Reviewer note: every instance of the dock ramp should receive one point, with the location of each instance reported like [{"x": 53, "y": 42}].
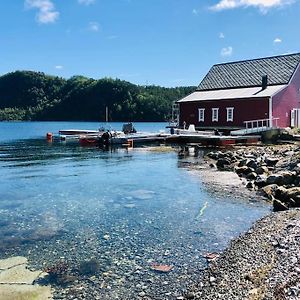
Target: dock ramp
[{"x": 256, "y": 127}]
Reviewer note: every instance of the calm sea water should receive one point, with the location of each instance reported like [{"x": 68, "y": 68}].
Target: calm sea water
[{"x": 127, "y": 209}]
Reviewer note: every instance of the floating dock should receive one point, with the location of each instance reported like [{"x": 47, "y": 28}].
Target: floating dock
[
  {"x": 213, "y": 140},
  {"x": 98, "y": 138}
]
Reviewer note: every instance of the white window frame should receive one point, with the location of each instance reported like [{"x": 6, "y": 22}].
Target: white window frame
[
  {"x": 201, "y": 114},
  {"x": 215, "y": 114},
  {"x": 228, "y": 111}
]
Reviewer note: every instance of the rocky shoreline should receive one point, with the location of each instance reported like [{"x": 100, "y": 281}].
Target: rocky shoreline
[
  {"x": 264, "y": 263},
  {"x": 273, "y": 171}
]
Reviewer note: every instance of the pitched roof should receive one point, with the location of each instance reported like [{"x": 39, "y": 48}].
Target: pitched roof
[
  {"x": 227, "y": 94},
  {"x": 248, "y": 73}
]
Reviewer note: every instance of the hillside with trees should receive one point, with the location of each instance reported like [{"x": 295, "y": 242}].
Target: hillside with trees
[{"x": 35, "y": 96}]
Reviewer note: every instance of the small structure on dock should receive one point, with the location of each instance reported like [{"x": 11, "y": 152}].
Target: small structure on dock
[{"x": 243, "y": 94}]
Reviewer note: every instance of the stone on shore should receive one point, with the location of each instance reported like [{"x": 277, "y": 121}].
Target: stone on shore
[{"x": 17, "y": 281}]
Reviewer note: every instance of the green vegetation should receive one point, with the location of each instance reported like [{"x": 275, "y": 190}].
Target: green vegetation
[{"x": 27, "y": 95}]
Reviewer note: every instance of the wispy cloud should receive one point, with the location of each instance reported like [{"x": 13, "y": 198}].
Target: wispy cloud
[
  {"x": 221, "y": 35},
  {"x": 94, "y": 26},
  {"x": 227, "y": 51},
  {"x": 59, "y": 67},
  {"x": 86, "y": 2},
  {"x": 277, "y": 40},
  {"x": 262, "y": 5},
  {"x": 46, "y": 10}
]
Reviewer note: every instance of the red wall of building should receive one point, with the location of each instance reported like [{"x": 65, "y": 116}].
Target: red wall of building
[
  {"x": 286, "y": 100},
  {"x": 244, "y": 110}
]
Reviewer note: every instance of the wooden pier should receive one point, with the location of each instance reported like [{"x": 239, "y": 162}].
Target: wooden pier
[
  {"x": 119, "y": 138},
  {"x": 213, "y": 140}
]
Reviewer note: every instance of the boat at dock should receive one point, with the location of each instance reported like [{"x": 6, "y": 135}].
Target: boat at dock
[
  {"x": 120, "y": 138},
  {"x": 77, "y": 132}
]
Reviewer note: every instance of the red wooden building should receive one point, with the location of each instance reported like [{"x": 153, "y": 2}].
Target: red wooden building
[{"x": 232, "y": 93}]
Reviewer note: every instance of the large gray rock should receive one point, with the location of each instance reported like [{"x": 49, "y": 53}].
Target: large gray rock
[
  {"x": 269, "y": 191},
  {"x": 279, "y": 206},
  {"x": 275, "y": 179},
  {"x": 222, "y": 162}
]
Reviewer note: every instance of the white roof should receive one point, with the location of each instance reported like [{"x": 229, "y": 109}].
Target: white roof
[{"x": 251, "y": 92}]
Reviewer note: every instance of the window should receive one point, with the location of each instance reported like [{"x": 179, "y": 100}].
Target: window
[
  {"x": 215, "y": 114},
  {"x": 201, "y": 114},
  {"x": 229, "y": 114}
]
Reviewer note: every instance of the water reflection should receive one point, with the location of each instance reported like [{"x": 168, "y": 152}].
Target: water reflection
[{"x": 126, "y": 210}]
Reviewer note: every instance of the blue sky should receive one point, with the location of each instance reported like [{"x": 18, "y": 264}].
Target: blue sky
[{"x": 162, "y": 42}]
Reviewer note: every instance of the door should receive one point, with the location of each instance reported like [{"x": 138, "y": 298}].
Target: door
[{"x": 295, "y": 117}]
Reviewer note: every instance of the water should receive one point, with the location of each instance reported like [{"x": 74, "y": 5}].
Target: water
[{"x": 127, "y": 209}]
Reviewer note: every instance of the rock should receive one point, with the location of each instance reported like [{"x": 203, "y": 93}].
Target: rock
[
  {"x": 292, "y": 193},
  {"x": 213, "y": 155},
  {"x": 250, "y": 185},
  {"x": 243, "y": 170},
  {"x": 19, "y": 275},
  {"x": 252, "y": 164},
  {"x": 221, "y": 162},
  {"x": 17, "y": 282},
  {"x": 270, "y": 190},
  {"x": 212, "y": 279},
  {"x": 261, "y": 181},
  {"x": 287, "y": 177},
  {"x": 161, "y": 268},
  {"x": 271, "y": 161},
  {"x": 275, "y": 179},
  {"x": 211, "y": 256},
  {"x": 12, "y": 261},
  {"x": 24, "y": 292},
  {"x": 279, "y": 206},
  {"x": 243, "y": 162},
  {"x": 262, "y": 170},
  {"x": 251, "y": 176}
]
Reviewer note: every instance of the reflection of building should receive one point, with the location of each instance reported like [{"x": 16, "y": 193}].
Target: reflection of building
[{"x": 260, "y": 89}]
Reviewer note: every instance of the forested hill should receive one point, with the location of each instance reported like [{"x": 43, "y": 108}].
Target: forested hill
[{"x": 27, "y": 95}]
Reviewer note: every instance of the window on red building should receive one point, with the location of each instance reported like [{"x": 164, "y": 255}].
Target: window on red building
[
  {"x": 201, "y": 114},
  {"x": 215, "y": 114}
]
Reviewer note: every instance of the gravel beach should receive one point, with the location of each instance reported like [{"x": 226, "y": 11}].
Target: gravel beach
[{"x": 264, "y": 263}]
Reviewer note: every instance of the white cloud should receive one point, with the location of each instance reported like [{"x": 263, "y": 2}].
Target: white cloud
[
  {"x": 227, "y": 51},
  {"x": 195, "y": 11},
  {"x": 46, "y": 10},
  {"x": 263, "y": 5},
  {"x": 86, "y": 2},
  {"x": 277, "y": 41},
  {"x": 59, "y": 67},
  {"x": 221, "y": 35},
  {"x": 94, "y": 26}
]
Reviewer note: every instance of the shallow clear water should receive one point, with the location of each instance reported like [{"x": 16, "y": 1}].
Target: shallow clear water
[{"x": 127, "y": 209}]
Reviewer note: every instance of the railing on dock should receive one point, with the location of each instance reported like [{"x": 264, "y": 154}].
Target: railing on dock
[
  {"x": 261, "y": 123},
  {"x": 256, "y": 126}
]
